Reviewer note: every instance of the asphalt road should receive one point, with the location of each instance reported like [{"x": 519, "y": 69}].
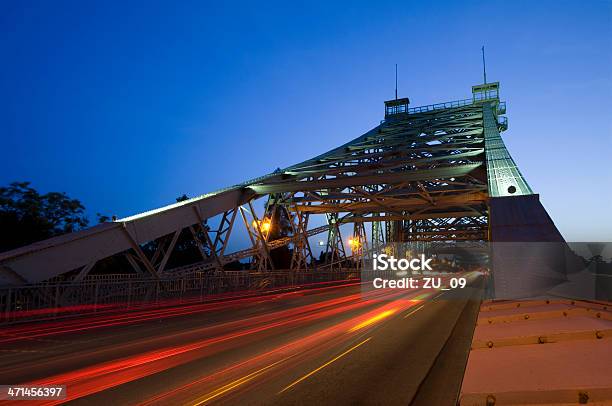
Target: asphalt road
[{"x": 334, "y": 345}]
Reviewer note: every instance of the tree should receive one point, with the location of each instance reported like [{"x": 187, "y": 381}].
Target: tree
[
  {"x": 102, "y": 218},
  {"x": 27, "y": 216}
]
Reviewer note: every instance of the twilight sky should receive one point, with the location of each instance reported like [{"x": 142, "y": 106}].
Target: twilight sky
[{"x": 126, "y": 107}]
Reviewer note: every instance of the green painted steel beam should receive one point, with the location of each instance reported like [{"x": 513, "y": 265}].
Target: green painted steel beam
[{"x": 504, "y": 177}]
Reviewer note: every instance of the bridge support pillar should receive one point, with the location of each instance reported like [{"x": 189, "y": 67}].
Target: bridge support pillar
[{"x": 528, "y": 251}]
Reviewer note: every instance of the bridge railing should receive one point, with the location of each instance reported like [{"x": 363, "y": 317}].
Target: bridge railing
[
  {"x": 441, "y": 106},
  {"x": 60, "y": 299},
  {"x": 454, "y": 104}
]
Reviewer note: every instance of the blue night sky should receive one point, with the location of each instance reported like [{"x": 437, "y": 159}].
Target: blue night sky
[{"x": 127, "y": 106}]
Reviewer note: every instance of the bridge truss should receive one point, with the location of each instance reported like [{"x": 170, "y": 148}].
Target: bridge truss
[{"x": 423, "y": 174}]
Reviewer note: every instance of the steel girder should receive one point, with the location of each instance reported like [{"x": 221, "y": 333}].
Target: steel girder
[
  {"x": 55, "y": 256},
  {"x": 505, "y": 178}
]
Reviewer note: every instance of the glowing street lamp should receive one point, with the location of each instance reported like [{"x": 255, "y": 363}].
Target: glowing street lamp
[{"x": 264, "y": 225}]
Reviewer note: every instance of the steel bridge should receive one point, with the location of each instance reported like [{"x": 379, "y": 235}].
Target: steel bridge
[
  {"x": 427, "y": 174},
  {"x": 433, "y": 177}
]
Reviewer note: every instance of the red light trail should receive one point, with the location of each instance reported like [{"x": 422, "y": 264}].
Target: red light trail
[{"x": 251, "y": 340}]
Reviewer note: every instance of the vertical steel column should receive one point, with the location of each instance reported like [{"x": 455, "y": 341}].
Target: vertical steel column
[
  {"x": 359, "y": 244},
  {"x": 335, "y": 253},
  {"x": 301, "y": 247},
  {"x": 378, "y": 234}
]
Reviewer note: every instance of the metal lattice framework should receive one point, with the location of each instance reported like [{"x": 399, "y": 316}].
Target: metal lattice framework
[{"x": 424, "y": 174}]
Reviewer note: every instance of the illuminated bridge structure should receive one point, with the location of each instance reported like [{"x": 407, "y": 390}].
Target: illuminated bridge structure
[{"x": 433, "y": 173}]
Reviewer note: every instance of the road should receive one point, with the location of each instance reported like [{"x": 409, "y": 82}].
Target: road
[{"x": 331, "y": 345}]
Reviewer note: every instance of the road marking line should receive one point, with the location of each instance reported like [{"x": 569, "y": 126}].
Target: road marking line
[
  {"x": 234, "y": 384},
  {"x": 414, "y": 311},
  {"x": 324, "y": 365},
  {"x": 421, "y": 306},
  {"x": 422, "y": 296},
  {"x": 438, "y": 295},
  {"x": 372, "y": 320}
]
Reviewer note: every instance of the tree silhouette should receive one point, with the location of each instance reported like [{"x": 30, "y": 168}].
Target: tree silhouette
[{"x": 27, "y": 216}]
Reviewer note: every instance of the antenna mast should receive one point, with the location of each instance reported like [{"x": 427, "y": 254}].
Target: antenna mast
[
  {"x": 484, "y": 67},
  {"x": 395, "y": 81}
]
